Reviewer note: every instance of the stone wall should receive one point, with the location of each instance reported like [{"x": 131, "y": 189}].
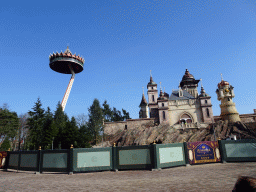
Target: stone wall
[
  {"x": 111, "y": 128},
  {"x": 245, "y": 118}
]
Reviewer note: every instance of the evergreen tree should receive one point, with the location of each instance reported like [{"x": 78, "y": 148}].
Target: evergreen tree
[
  {"x": 35, "y": 123},
  {"x": 9, "y": 124},
  {"x": 95, "y": 120},
  {"x": 6, "y": 144},
  {"x": 108, "y": 113},
  {"x": 117, "y": 116},
  {"x": 85, "y": 136},
  {"x": 60, "y": 120},
  {"x": 126, "y": 115},
  {"x": 70, "y": 134},
  {"x": 49, "y": 129}
]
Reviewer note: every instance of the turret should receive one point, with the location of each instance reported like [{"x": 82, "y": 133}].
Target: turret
[
  {"x": 225, "y": 93},
  {"x": 189, "y": 84},
  {"x": 206, "y": 105},
  {"x": 143, "y": 107},
  {"x": 152, "y": 97}
]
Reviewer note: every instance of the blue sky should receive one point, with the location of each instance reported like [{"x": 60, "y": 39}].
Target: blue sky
[{"x": 121, "y": 41}]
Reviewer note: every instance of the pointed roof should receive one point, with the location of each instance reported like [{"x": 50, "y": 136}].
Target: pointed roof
[
  {"x": 203, "y": 93},
  {"x": 151, "y": 81},
  {"x": 68, "y": 50},
  {"x": 143, "y": 101}
]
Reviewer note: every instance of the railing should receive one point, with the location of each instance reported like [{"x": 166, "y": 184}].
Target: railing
[{"x": 150, "y": 157}]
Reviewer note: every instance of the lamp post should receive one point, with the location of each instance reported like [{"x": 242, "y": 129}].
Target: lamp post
[{"x": 52, "y": 142}]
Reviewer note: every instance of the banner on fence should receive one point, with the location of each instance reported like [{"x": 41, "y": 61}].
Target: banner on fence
[
  {"x": 2, "y": 158},
  {"x": 203, "y": 152}
]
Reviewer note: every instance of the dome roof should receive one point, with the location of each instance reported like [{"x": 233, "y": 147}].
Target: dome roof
[
  {"x": 222, "y": 83},
  {"x": 187, "y": 76}
]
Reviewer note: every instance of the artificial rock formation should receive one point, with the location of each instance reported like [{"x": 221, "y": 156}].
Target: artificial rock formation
[{"x": 148, "y": 133}]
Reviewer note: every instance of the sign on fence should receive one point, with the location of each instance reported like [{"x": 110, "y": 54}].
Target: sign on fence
[
  {"x": 3, "y": 155},
  {"x": 203, "y": 152}
]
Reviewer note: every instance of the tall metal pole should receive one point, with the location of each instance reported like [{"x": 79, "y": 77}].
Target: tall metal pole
[{"x": 66, "y": 95}]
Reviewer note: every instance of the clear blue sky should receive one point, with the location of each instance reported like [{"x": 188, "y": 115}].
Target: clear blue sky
[{"x": 121, "y": 41}]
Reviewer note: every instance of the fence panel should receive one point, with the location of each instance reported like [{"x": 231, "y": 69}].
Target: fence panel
[
  {"x": 29, "y": 160},
  {"x": 169, "y": 155},
  {"x": 238, "y": 150},
  {"x": 92, "y": 159},
  {"x": 203, "y": 152},
  {"x": 134, "y": 157},
  {"x": 55, "y": 160},
  {"x": 13, "y": 160}
]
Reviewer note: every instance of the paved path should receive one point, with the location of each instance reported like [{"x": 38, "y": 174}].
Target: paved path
[{"x": 208, "y": 177}]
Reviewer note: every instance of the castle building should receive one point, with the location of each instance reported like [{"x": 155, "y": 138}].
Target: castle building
[{"x": 185, "y": 108}]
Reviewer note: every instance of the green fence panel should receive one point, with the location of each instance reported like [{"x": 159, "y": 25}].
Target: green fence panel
[
  {"x": 13, "y": 160},
  {"x": 92, "y": 159},
  {"x": 135, "y": 157},
  {"x": 29, "y": 160},
  {"x": 238, "y": 150},
  {"x": 169, "y": 155},
  {"x": 55, "y": 160}
]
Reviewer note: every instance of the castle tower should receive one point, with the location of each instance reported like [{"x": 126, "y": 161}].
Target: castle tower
[
  {"x": 206, "y": 106},
  {"x": 143, "y": 107},
  {"x": 162, "y": 102},
  {"x": 189, "y": 84},
  {"x": 225, "y": 93},
  {"x": 152, "y": 98}
]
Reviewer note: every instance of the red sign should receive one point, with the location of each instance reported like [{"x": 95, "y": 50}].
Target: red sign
[{"x": 3, "y": 155}]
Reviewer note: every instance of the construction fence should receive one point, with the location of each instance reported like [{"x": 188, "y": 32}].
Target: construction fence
[{"x": 149, "y": 157}]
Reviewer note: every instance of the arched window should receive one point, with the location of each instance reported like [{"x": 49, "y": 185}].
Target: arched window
[
  {"x": 207, "y": 112},
  {"x": 205, "y": 101},
  {"x": 162, "y": 104},
  {"x": 152, "y": 87},
  {"x": 163, "y": 114},
  {"x": 153, "y": 98},
  {"x": 185, "y": 118}
]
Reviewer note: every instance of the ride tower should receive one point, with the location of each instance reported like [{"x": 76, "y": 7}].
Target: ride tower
[{"x": 66, "y": 63}]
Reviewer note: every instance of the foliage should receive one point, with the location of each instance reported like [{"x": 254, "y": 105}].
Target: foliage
[
  {"x": 9, "y": 124},
  {"x": 6, "y": 144},
  {"x": 35, "y": 123},
  {"x": 111, "y": 115},
  {"x": 95, "y": 119}
]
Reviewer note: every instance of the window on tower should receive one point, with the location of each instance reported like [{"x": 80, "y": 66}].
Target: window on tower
[
  {"x": 151, "y": 87},
  {"x": 153, "y": 98},
  {"x": 205, "y": 101},
  {"x": 162, "y": 104},
  {"x": 207, "y": 112},
  {"x": 163, "y": 114}
]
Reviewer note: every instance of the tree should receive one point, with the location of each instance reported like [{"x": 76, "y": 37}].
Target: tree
[
  {"x": 6, "y": 144},
  {"x": 9, "y": 124},
  {"x": 60, "y": 120},
  {"x": 108, "y": 113},
  {"x": 70, "y": 134},
  {"x": 23, "y": 129},
  {"x": 126, "y": 115},
  {"x": 85, "y": 136},
  {"x": 49, "y": 129},
  {"x": 95, "y": 120},
  {"x": 81, "y": 119},
  {"x": 35, "y": 123}
]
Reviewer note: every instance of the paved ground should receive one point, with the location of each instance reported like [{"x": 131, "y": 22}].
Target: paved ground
[{"x": 208, "y": 177}]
